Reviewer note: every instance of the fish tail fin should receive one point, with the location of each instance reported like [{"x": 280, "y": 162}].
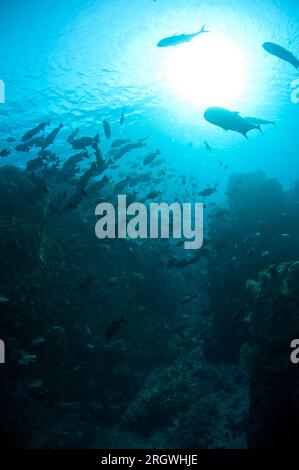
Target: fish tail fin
[{"x": 203, "y": 30}]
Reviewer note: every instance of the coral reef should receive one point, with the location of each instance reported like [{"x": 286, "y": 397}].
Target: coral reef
[{"x": 274, "y": 380}]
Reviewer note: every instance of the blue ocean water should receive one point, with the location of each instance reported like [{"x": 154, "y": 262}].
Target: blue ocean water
[
  {"x": 81, "y": 61},
  {"x": 140, "y": 343}
]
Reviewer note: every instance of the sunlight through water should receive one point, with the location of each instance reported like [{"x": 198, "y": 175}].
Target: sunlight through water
[{"x": 207, "y": 71}]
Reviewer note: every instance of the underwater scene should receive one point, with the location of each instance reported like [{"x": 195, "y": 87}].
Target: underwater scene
[{"x": 149, "y": 224}]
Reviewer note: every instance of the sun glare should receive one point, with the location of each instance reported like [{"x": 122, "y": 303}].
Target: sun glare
[{"x": 209, "y": 71}]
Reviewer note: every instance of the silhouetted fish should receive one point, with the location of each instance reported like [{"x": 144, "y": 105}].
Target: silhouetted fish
[
  {"x": 151, "y": 157},
  {"x": 207, "y": 146},
  {"x": 82, "y": 143},
  {"x": 207, "y": 192},
  {"x": 128, "y": 148},
  {"x": 107, "y": 129},
  {"x": 74, "y": 160},
  {"x": 35, "y": 131},
  {"x": 49, "y": 139},
  {"x": 122, "y": 118},
  {"x": 229, "y": 120},
  {"x": 29, "y": 144},
  {"x": 119, "y": 143},
  {"x": 114, "y": 326},
  {"x": 5, "y": 153},
  {"x": 99, "y": 158},
  {"x": 281, "y": 53},
  {"x": 177, "y": 39},
  {"x": 74, "y": 134}
]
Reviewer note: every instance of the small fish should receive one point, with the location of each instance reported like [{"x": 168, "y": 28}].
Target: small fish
[
  {"x": 121, "y": 185},
  {"x": 153, "y": 195},
  {"x": 82, "y": 143},
  {"x": 140, "y": 178},
  {"x": 265, "y": 254},
  {"x": 5, "y": 153},
  {"x": 281, "y": 53},
  {"x": 157, "y": 163},
  {"x": 207, "y": 192},
  {"x": 29, "y": 144},
  {"x": 73, "y": 135},
  {"x": 120, "y": 143},
  {"x": 99, "y": 158},
  {"x": 98, "y": 185},
  {"x": 90, "y": 173},
  {"x": 183, "y": 263},
  {"x": 74, "y": 201},
  {"x": 207, "y": 146},
  {"x": 11, "y": 139},
  {"x": 284, "y": 235},
  {"x": 114, "y": 326},
  {"x": 107, "y": 129},
  {"x": 74, "y": 160},
  {"x": 49, "y": 139},
  {"x": 122, "y": 117},
  {"x": 30, "y": 134},
  {"x": 56, "y": 205},
  {"x": 97, "y": 141},
  {"x": 151, "y": 157},
  {"x": 128, "y": 148},
  {"x": 177, "y": 39},
  {"x": 142, "y": 139},
  {"x": 36, "y": 163},
  {"x": 65, "y": 175}
]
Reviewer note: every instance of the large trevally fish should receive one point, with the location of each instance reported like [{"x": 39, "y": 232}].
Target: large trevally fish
[
  {"x": 177, "y": 39},
  {"x": 281, "y": 53}
]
